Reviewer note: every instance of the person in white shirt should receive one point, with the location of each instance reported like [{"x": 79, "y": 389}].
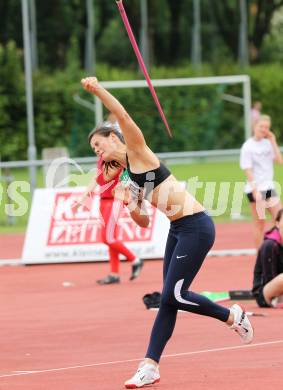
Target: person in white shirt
[{"x": 257, "y": 157}]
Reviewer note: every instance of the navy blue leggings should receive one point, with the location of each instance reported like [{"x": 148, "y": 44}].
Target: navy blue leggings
[{"x": 189, "y": 240}]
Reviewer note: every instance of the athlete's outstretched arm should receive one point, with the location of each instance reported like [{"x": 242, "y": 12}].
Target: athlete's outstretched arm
[{"x": 132, "y": 133}]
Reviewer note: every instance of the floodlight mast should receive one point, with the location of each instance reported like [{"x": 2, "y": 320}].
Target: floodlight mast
[
  {"x": 29, "y": 94},
  {"x": 243, "y": 35},
  {"x": 90, "y": 41},
  {"x": 144, "y": 32},
  {"x": 196, "y": 35}
]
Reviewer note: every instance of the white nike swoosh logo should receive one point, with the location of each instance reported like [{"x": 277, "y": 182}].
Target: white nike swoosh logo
[{"x": 179, "y": 257}]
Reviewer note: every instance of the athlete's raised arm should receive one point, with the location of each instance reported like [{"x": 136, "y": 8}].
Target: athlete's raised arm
[{"x": 132, "y": 134}]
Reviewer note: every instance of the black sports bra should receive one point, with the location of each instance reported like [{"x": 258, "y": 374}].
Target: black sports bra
[{"x": 150, "y": 179}]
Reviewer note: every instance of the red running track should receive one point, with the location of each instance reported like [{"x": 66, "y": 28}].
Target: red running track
[
  {"x": 81, "y": 336},
  {"x": 236, "y": 235}
]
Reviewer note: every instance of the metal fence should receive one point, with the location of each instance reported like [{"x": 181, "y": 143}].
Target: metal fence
[{"x": 168, "y": 158}]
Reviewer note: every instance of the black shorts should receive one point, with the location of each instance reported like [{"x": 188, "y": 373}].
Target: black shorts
[
  {"x": 260, "y": 300},
  {"x": 265, "y": 195}
]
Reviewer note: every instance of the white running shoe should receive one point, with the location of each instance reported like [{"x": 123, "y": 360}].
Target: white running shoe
[
  {"x": 147, "y": 374},
  {"x": 242, "y": 324}
]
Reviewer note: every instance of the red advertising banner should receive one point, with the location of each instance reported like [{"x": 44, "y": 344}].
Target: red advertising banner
[
  {"x": 83, "y": 226},
  {"x": 58, "y": 232}
]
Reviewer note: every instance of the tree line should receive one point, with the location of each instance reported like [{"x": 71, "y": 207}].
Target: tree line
[
  {"x": 169, "y": 30},
  {"x": 199, "y": 117}
]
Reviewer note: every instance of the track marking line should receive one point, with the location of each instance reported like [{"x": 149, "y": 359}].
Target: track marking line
[{"x": 31, "y": 372}]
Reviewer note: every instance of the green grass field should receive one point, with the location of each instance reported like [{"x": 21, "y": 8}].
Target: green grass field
[{"x": 216, "y": 189}]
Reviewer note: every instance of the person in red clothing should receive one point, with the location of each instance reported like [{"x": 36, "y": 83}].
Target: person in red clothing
[{"x": 107, "y": 178}]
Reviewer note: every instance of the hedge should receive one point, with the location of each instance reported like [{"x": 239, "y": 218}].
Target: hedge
[{"x": 198, "y": 116}]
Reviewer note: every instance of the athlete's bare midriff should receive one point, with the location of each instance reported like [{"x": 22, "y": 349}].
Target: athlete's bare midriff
[{"x": 171, "y": 198}]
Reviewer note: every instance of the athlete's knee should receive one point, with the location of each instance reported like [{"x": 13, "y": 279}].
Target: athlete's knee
[
  {"x": 267, "y": 246},
  {"x": 110, "y": 243},
  {"x": 168, "y": 298},
  {"x": 104, "y": 240},
  {"x": 171, "y": 297}
]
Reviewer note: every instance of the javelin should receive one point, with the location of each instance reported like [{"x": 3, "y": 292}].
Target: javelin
[{"x": 141, "y": 62}]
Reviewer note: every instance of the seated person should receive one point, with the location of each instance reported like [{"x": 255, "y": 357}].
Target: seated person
[{"x": 268, "y": 271}]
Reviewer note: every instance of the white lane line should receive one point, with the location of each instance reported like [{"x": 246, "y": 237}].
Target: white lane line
[{"x": 19, "y": 373}]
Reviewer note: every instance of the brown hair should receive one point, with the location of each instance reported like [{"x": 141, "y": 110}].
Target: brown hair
[
  {"x": 105, "y": 130},
  {"x": 279, "y": 215},
  {"x": 277, "y": 219}
]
